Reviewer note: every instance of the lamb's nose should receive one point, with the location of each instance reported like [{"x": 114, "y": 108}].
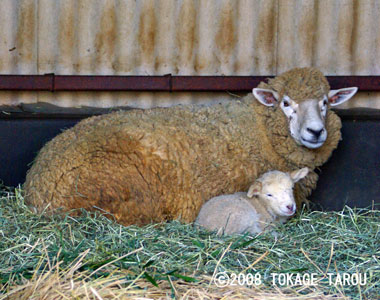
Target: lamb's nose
[
  {"x": 314, "y": 132},
  {"x": 290, "y": 207}
]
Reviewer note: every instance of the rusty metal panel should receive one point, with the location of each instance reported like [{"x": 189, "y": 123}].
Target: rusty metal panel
[
  {"x": 149, "y": 37},
  {"x": 340, "y": 37},
  {"x": 18, "y": 46},
  {"x": 184, "y": 37}
]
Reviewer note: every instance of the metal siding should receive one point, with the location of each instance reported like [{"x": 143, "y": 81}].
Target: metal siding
[{"x": 185, "y": 37}]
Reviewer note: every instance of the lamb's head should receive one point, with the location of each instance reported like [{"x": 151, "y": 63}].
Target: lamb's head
[
  {"x": 276, "y": 189},
  {"x": 304, "y": 96}
]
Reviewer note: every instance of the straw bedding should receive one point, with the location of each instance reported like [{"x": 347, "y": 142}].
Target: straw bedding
[{"x": 92, "y": 257}]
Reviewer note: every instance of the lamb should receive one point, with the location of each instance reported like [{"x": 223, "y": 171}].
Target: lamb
[
  {"x": 164, "y": 163},
  {"x": 269, "y": 200}
]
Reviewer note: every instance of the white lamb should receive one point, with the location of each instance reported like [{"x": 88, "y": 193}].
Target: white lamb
[{"x": 270, "y": 199}]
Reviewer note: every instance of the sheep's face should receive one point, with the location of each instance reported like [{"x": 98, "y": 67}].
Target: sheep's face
[
  {"x": 280, "y": 199},
  {"x": 306, "y": 118},
  {"x": 275, "y": 188}
]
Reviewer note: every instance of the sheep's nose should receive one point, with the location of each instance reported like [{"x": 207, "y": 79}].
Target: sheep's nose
[
  {"x": 290, "y": 207},
  {"x": 314, "y": 132}
]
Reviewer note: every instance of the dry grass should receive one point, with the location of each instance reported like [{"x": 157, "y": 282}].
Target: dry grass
[
  {"x": 91, "y": 257},
  {"x": 73, "y": 284}
]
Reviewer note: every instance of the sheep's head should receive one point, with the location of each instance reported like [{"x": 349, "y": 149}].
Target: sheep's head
[
  {"x": 304, "y": 97},
  {"x": 276, "y": 189}
]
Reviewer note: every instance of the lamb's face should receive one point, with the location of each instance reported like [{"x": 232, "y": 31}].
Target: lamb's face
[
  {"x": 277, "y": 191},
  {"x": 306, "y": 118},
  {"x": 275, "y": 188}
]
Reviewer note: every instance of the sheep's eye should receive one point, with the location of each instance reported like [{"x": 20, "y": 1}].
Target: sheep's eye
[
  {"x": 269, "y": 195},
  {"x": 286, "y": 103},
  {"x": 324, "y": 103}
]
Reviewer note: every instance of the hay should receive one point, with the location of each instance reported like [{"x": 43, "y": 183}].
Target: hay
[
  {"x": 92, "y": 257},
  {"x": 71, "y": 284}
]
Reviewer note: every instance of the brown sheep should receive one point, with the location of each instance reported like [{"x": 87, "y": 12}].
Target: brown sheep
[{"x": 164, "y": 163}]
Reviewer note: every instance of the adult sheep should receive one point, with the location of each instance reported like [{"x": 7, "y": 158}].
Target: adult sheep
[{"x": 163, "y": 163}]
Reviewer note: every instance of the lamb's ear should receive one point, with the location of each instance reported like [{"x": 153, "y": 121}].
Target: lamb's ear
[
  {"x": 299, "y": 174},
  {"x": 265, "y": 96},
  {"x": 340, "y": 96},
  {"x": 254, "y": 189}
]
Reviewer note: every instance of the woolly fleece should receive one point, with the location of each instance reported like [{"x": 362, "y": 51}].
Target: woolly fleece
[{"x": 164, "y": 163}]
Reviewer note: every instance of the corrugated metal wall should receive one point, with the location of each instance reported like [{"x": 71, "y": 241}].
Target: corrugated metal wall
[{"x": 187, "y": 37}]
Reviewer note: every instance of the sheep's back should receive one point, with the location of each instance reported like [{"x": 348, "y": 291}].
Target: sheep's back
[
  {"x": 229, "y": 214},
  {"x": 147, "y": 166}
]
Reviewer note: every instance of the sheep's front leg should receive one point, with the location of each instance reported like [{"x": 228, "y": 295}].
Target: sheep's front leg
[{"x": 304, "y": 188}]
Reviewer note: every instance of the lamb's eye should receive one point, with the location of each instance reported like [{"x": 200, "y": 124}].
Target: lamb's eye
[
  {"x": 324, "y": 102},
  {"x": 269, "y": 195},
  {"x": 286, "y": 103}
]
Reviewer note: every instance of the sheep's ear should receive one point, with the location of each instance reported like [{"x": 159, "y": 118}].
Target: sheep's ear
[
  {"x": 299, "y": 174},
  {"x": 340, "y": 96},
  {"x": 265, "y": 96},
  {"x": 254, "y": 189}
]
